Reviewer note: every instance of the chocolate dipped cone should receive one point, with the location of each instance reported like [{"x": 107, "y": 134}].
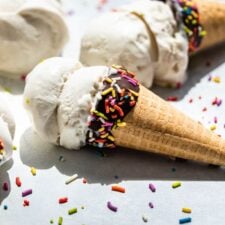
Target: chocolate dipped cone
[
  {"x": 154, "y": 125},
  {"x": 212, "y": 18}
]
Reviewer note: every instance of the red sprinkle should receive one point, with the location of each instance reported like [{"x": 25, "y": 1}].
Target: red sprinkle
[
  {"x": 84, "y": 181},
  {"x": 172, "y": 98},
  {"x": 190, "y": 100},
  {"x": 26, "y": 203},
  {"x": 63, "y": 200},
  {"x": 204, "y": 109},
  {"x": 18, "y": 182},
  {"x": 116, "y": 107},
  {"x": 107, "y": 106},
  {"x": 5, "y": 186}
]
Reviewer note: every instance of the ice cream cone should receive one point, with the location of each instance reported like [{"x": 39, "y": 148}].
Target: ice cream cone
[
  {"x": 212, "y": 18},
  {"x": 156, "y": 126}
]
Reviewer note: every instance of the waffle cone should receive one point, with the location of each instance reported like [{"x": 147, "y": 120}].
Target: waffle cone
[
  {"x": 212, "y": 17},
  {"x": 154, "y": 125}
]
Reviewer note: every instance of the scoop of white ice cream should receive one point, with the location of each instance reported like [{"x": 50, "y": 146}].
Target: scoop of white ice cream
[
  {"x": 125, "y": 37},
  {"x": 30, "y": 31},
  {"x": 7, "y": 130},
  {"x": 59, "y": 95}
]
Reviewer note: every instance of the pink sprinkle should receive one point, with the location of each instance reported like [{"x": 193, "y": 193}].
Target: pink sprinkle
[
  {"x": 152, "y": 187},
  {"x": 215, "y": 119},
  {"x": 5, "y": 186},
  {"x": 204, "y": 109},
  {"x": 190, "y": 100},
  {"x": 151, "y": 205},
  {"x": 214, "y": 102},
  {"x": 200, "y": 97},
  {"x": 210, "y": 78},
  {"x": 131, "y": 80},
  {"x": 27, "y": 192}
]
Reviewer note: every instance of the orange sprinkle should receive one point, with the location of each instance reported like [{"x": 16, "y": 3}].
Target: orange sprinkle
[{"x": 118, "y": 188}]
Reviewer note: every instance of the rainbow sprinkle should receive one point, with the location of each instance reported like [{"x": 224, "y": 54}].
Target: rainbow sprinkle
[
  {"x": 186, "y": 12},
  {"x": 119, "y": 96}
]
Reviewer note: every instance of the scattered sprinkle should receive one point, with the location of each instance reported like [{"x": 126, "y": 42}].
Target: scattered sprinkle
[
  {"x": 145, "y": 219},
  {"x": 60, "y": 220},
  {"x": 190, "y": 100},
  {"x": 71, "y": 179},
  {"x": 5, "y": 186},
  {"x": 5, "y": 207},
  {"x": 172, "y": 98},
  {"x": 216, "y": 79},
  {"x": 14, "y": 148},
  {"x": 176, "y": 184},
  {"x": 185, "y": 220},
  {"x": 152, "y": 187},
  {"x": 27, "y": 101},
  {"x": 111, "y": 207},
  {"x": 26, "y": 203},
  {"x": 151, "y": 205},
  {"x": 72, "y": 211},
  {"x": 51, "y": 221},
  {"x": 18, "y": 182},
  {"x": 63, "y": 200},
  {"x": 204, "y": 109},
  {"x": 27, "y": 192},
  {"x": 213, "y": 127},
  {"x": 215, "y": 119},
  {"x": 84, "y": 180},
  {"x": 186, "y": 210},
  {"x": 61, "y": 159},
  {"x": 118, "y": 188},
  {"x": 33, "y": 171}
]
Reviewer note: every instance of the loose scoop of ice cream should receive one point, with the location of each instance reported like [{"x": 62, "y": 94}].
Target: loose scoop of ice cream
[
  {"x": 72, "y": 106},
  {"x": 143, "y": 37},
  {"x": 7, "y": 130},
  {"x": 30, "y": 31}
]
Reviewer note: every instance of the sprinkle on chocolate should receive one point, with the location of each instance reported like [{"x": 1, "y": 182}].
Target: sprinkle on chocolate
[{"x": 119, "y": 95}]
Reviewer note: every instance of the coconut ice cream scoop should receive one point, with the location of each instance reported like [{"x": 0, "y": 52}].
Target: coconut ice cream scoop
[
  {"x": 107, "y": 107},
  {"x": 7, "y": 130},
  {"x": 154, "y": 39},
  {"x": 30, "y": 31}
]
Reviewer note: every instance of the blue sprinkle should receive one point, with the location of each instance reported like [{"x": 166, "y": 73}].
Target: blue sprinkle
[
  {"x": 185, "y": 220},
  {"x": 5, "y": 207}
]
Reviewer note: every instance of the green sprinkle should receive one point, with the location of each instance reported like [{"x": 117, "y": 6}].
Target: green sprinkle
[
  {"x": 72, "y": 211},
  {"x": 176, "y": 184},
  {"x": 51, "y": 221},
  {"x": 82, "y": 207},
  {"x": 60, "y": 221},
  {"x": 14, "y": 148}
]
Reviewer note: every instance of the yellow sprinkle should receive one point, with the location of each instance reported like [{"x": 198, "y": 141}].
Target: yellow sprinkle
[
  {"x": 113, "y": 93},
  {"x": 27, "y": 101},
  {"x": 186, "y": 210},
  {"x": 7, "y": 89},
  {"x": 123, "y": 124},
  {"x": 107, "y": 91},
  {"x": 33, "y": 171},
  {"x": 104, "y": 135},
  {"x": 111, "y": 138},
  {"x": 112, "y": 109},
  {"x": 101, "y": 129},
  {"x": 99, "y": 114},
  {"x": 203, "y": 33},
  {"x": 176, "y": 184},
  {"x": 194, "y": 14},
  {"x": 14, "y": 147},
  {"x": 194, "y": 21},
  {"x": 108, "y": 80},
  {"x": 216, "y": 79},
  {"x": 213, "y": 127},
  {"x": 190, "y": 17},
  {"x": 134, "y": 93}
]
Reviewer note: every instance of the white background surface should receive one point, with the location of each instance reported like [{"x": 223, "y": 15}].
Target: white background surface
[{"x": 203, "y": 187}]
